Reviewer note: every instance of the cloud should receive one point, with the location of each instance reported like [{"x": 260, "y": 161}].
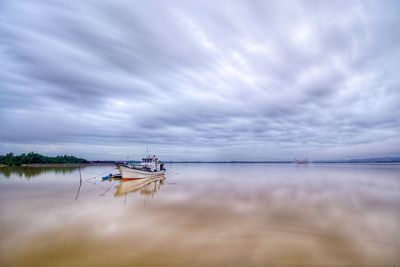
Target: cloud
[{"x": 202, "y": 80}]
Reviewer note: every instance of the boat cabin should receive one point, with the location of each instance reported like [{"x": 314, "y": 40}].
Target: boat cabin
[{"x": 151, "y": 163}]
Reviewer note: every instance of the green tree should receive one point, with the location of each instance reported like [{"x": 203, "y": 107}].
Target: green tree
[{"x": 34, "y": 158}]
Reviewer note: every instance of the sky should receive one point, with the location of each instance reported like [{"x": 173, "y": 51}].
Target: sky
[{"x": 200, "y": 80}]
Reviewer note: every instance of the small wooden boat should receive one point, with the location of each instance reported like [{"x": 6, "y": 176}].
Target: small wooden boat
[
  {"x": 112, "y": 176},
  {"x": 150, "y": 167}
]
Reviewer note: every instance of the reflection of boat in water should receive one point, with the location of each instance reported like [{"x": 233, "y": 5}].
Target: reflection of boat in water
[
  {"x": 146, "y": 186},
  {"x": 150, "y": 167}
]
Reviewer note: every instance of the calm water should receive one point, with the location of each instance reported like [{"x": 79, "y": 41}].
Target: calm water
[{"x": 203, "y": 215}]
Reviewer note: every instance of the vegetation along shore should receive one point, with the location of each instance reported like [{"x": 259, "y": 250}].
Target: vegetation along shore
[{"x": 37, "y": 160}]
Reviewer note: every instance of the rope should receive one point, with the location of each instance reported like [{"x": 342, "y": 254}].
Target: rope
[
  {"x": 177, "y": 173},
  {"x": 94, "y": 177},
  {"x": 108, "y": 189}
]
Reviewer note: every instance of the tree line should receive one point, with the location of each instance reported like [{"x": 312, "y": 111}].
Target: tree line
[{"x": 34, "y": 158}]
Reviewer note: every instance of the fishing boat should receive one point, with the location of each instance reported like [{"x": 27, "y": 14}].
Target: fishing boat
[
  {"x": 301, "y": 161},
  {"x": 149, "y": 167}
]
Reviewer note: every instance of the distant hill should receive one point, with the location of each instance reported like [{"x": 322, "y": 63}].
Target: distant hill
[{"x": 363, "y": 160}]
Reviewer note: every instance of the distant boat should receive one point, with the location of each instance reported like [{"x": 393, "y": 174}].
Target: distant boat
[
  {"x": 301, "y": 161},
  {"x": 148, "y": 168}
]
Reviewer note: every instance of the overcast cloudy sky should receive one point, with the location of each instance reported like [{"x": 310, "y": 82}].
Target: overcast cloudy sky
[{"x": 200, "y": 80}]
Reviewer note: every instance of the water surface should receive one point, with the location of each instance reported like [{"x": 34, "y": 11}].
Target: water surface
[{"x": 202, "y": 215}]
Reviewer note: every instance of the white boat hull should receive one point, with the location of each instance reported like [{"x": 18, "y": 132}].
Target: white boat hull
[{"x": 128, "y": 173}]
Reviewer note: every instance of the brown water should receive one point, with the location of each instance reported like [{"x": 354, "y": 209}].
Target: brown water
[{"x": 203, "y": 215}]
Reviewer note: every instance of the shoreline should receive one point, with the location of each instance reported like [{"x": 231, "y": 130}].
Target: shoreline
[
  {"x": 65, "y": 165},
  {"x": 76, "y": 165}
]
